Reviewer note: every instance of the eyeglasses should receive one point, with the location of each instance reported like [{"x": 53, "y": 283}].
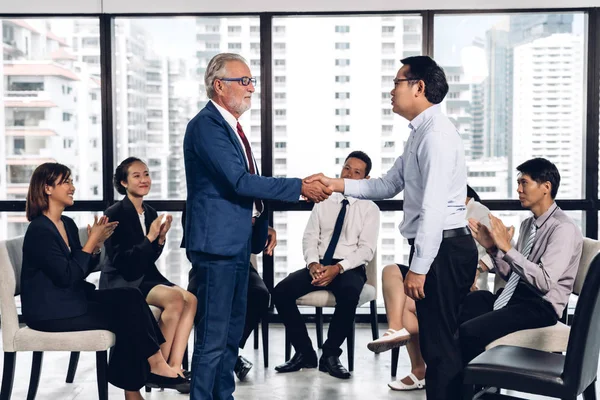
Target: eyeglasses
[
  {"x": 244, "y": 80},
  {"x": 398, "y": 80}
]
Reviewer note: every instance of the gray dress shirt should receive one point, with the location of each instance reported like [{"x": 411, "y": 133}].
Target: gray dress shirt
[
  {"x": 552, "y": 265},
  {"x": 433, "y": 173}
]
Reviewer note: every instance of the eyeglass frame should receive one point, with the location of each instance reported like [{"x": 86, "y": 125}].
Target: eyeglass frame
[
  {"x": 398, "y": 80},
  {"x": 240, "y": 80}
]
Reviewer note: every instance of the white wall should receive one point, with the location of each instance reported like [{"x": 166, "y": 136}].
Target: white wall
[{"x": 204, "y": 6}]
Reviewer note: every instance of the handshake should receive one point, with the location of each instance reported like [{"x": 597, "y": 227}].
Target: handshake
[{"x": 318, "y": 187}]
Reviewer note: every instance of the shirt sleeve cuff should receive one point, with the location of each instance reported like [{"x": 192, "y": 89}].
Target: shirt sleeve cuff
[
  {"x": 420, "y": 265},
  {"x": 511, "y": 255},
  {"x": 311, "y": 260},
  {"x": 346, "y": 265},
  {"x": 351, "y": 187}
]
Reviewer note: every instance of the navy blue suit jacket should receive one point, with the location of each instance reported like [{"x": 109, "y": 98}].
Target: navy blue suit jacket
[
  {"x": 53, "y": 282},
  {"x": 221, "y": 190}
]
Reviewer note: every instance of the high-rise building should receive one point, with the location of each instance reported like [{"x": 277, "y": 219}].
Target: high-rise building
[{"x": 548, "y": 111}]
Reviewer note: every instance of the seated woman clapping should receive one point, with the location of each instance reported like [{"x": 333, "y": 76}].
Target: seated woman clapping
[
  {"x": 132, "y": 251},
  {"x": 56, "y": 298}
]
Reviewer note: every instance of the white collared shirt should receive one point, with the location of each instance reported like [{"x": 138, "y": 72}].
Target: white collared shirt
[
  {"x": 232, "y": 121},
  {"x": 358, "y": 239},
  {"x": 433, "y": 172}
]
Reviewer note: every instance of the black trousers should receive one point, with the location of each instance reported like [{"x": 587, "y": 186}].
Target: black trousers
[
  {"x": 124, "y": 312},
  {"x": 481, "y": 325},
  {"x": 256, "y": 307},
  {"x": 446, "y": 286},
  {"x": 345, "y": 287}
]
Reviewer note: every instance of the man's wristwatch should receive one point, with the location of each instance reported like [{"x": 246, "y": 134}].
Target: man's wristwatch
[
  {"x": 480, "y": 268},
  {"x": 340, "y": 268}
]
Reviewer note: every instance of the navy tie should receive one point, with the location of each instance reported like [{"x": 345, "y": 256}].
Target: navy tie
[{"x": 337, "y": 231}]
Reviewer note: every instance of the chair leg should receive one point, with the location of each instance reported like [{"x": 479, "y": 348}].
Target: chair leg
[
  {"x": 73, "y": 361},
  {"x": 256, "y": 337},
  {"x": 374, "y": 326},
  {"x": 288, "y": 347},
  {"x": 395, "y": 356},
  {"x": 350, "y": 344},
  {"x": 590, "y": 392},
  {"x": 319, "y": 324},
  {"x": 185, "y": 363},
  {"x": 101, "y": 374},
  {"x": 8, "y": 375},
  {"x": 36, "y": 369},
  {"x": 265, "y": 339}
]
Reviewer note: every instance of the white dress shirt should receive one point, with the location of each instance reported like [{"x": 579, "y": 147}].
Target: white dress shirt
[
  {"x": 433, "y": 173},
  {"x": 358, "y": 239},
  {"x": 232, "y": 121}
]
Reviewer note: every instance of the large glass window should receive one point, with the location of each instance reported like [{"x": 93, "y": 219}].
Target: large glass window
[
  {"x": 334, "y": 106},
  {"x": 517, "y": 91},
  {"x": 159, "y": 69},
  {"x": 51, "y": 103}
]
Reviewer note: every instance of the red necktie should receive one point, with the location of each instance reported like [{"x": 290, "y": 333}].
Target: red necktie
[{"x": 257, "y": 202}]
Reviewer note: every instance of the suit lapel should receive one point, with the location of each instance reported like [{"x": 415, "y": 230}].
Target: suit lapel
[
  {"x": 233, "y": 136},
  {"x": 63, "y": 245},
  {"x": 133, "y": 218}
]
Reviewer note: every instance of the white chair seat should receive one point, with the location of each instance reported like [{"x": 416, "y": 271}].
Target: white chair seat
[
  {"x": 27, "y": 339},
  {"x": 324, "y": 298},
  {"x": 553, "y": 338}
]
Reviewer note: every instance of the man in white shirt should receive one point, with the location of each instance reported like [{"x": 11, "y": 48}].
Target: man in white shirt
[
  {"x": 443, "y": 257},
  {"x": 339, "y": 240}
]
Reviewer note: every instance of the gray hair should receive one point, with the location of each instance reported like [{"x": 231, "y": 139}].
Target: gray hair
[{"x": 216, "y": 70}]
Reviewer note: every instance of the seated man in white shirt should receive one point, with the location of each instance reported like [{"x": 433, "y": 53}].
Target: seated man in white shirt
[{"x": 339, "y": 240}]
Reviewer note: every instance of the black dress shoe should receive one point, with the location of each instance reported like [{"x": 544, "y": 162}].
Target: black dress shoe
[
  {"x": 334, "y": 367},
  {"x": 182, "y": 385},
  {"x": 298, "y": 362},
  {"x": 242, "y": 367},
  {"x": 187, "y": 374}
]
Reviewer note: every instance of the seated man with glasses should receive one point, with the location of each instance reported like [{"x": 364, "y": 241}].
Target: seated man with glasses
[
  {"x": 339, "y": 240},
  {"x": 540, "y": 269}
]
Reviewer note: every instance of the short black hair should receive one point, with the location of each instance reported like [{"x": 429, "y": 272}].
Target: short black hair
[
  {"x": 361, "y": 155},
  {"x": 423, "y": 68},
  {"x": 121, "y": 173},
  {"x": 473, "y": 194},
  {"x": 541, "y": 171}
]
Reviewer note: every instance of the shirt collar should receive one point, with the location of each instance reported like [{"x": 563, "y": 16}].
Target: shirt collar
[
  {"x": 539, "y": 221},
  {"x": 424, "y": 116},
  {"x": 227, "y": 116},
  {"x": 338, "y": 198}
]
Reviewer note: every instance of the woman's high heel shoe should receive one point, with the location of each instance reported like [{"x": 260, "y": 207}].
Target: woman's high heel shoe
[{"x": 182, "y": 385}]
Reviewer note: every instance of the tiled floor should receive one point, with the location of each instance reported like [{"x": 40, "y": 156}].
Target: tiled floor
[{"x": 369, "y": 380}]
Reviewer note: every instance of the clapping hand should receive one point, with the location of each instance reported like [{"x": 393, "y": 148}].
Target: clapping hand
[
  {"x": 100, "y": 230},
  {"x": 501, "y": 234}
]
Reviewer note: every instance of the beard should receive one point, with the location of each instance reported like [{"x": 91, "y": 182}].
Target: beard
[{"x": 239, "y": 106}]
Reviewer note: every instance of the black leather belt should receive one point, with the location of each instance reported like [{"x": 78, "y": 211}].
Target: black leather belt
[{"x": 449, "y": 233}]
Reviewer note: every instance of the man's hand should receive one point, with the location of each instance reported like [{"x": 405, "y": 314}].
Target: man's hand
[
  {"x": 316, "y": 270},
  {"x": 414, "y": 285},
  {"x": 271, "y": 242},
  {"x": 481, "y": 233},
  {"x": 315, "y": 191},
  {"x": 329, "y": 273},
  {"x": 335, "y": 184},
  {"x": 501, "y": 234}
]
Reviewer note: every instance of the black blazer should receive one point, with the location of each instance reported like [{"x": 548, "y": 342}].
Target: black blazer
[
  {"x": 130, "y": 255},
  {"x": 53, "y": 282}
]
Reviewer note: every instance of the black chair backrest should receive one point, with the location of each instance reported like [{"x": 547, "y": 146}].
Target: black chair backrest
[{"x": 581, "y": 363}]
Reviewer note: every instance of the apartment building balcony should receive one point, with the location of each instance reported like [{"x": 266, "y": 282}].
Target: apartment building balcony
[{"x": 28, "y": 99}]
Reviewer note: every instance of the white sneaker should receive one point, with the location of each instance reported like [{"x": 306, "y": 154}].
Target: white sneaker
[
  {"x": 390, "y": 340},
  {"x": 399, "y": 385}
]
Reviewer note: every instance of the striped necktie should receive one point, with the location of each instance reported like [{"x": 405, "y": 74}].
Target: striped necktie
[{"x": 511, "y": 286}]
